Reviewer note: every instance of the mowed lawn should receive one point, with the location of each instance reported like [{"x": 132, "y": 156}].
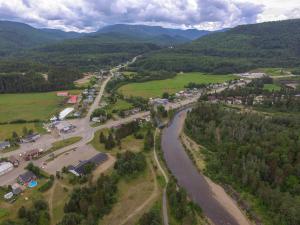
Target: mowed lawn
[
  {"x": 29, "y": 106},
  {"x": 173, "y": 85},
  {"x": 271, "y": 87}
]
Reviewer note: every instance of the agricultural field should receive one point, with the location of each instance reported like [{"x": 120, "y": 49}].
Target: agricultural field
[
  {"x": 7, "y": 129},
  {"x": 272, "y": 87},
  {"x": 30, "y": 106},
  {"x": 157, "y": 88}
]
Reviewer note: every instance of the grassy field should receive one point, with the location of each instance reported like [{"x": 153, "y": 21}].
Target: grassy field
[
  {"x": 64, "y": 143},
  {"x": 132, "y": 194},
  {"x": 7, "y": 129},
  {"x": 271, "y": 87},
  {"x": 119, "y": 105},
  {"x": 129, "y": 143},
  {"x": 157, "y": 88},
  {"x": 30, "y": 106},
  {"x": 273, "y": 71}
]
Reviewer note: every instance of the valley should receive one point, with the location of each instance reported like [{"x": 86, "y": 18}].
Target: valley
[{"x": 143, "y": 125}]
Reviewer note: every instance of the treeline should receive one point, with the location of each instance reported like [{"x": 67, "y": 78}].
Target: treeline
[
  {"x": 239, "y": 49},
  {"x": 37, "y": 215},
  {"x": 181, "y": 208},
  {"x": 56, "y": 79},
  {"x": 88, "y": 204},
  {"x": 257, "y": 154}
]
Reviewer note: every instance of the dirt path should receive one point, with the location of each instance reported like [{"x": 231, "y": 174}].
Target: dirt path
[
  {"x": 145, "y": 203},
  {"x": 164, "y": 201},
  {"x": 51, "y": 199}
]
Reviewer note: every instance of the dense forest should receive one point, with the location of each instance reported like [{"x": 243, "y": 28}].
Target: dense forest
[
  {"x": 258, "y": 154},
  {"x": 57, "y": 79},
  {"x": 271, "y": 44}
]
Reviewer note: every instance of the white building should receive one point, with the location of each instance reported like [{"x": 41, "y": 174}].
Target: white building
[
  {"x": 5, "y": 167},
  {"x": 63, "y": 114}
]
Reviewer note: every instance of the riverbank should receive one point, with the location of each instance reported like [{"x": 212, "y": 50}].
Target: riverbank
[
  {"x": 194, "y": 151},
  {"x": 216, "y": 204}
]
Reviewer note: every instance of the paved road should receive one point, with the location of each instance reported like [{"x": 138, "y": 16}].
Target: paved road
[{"x": 83, "y": 130}]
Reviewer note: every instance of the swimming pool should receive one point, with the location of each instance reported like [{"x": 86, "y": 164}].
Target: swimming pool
[{"x": 32, "y": 184}]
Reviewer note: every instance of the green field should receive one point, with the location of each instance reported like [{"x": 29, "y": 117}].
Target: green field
[
  {"x": 29, "y": 106},
  {"x": 274, "y": 72},
  {"x": 157, "y": 88},
  {"x": 7, "y": 129},
  {"x": 119, "y": 105},
  {"x": 271, "y": 87}
]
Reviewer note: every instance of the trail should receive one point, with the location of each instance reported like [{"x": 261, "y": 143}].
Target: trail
[
  {"x": 164, "y": 202},
  {"x": 51, "y": 199},
  {"x": 145, "y": 203}
]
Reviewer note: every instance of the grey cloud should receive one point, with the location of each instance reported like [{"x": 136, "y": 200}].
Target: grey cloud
[{"x": 88, "y": 15}]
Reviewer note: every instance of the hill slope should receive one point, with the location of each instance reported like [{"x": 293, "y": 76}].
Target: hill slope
[
  {"x": 272, "y": 44},
  {"x": 154, "y": 31},
  {"x": 15, "y": 36}
]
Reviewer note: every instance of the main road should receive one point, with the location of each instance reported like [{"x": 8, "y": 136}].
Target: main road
[{"x": 83, "y": 129}]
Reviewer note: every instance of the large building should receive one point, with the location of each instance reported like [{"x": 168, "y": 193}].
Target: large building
[
  {"x": 79, "y": 170},
  {"x": 5, "y": 167}
]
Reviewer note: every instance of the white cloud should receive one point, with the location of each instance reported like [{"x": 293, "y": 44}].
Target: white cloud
[{"x": 89, "y": 15}]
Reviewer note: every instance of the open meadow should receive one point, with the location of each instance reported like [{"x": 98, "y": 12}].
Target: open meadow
[
  {"x": 30, "y": 106},
  {"x": 173, "y": 85}
]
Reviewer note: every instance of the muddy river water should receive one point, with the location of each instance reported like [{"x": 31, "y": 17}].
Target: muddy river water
[{"x": 189, "y": 177}]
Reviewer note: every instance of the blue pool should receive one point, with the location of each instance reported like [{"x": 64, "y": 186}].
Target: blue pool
[{"x": 32, "y": 184}]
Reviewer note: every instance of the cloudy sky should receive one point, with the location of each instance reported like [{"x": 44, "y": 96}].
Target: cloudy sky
[{"x": 90, "y": 15}]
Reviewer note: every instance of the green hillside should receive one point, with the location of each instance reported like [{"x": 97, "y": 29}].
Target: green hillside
[
  {"x": 15, "y": 36},
  {"x": 272, "y": 44}
]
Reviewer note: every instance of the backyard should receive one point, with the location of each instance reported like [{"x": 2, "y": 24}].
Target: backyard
[{"x": 158, "y": 87}]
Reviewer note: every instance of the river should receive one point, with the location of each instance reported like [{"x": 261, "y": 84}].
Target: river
[{"x": 189, "y": 177}]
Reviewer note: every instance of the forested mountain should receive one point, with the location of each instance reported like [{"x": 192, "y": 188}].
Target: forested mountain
[
  {"x": 154, "y": 31},
  {"x": 15, "y": 36},
  {"x": 253, "y": 153},
  {"x": 271, "y": 44},
  {"x": 92, "y": 52}
]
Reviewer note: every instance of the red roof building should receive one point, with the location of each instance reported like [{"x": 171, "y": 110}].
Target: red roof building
[
  {"x": 73, "y": 99},
  {"x": 62, "y": 94}
]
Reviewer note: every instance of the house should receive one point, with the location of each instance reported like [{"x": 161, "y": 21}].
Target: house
[
  {"x": 16, "y": 189},
  {"x": 64, "y": 127},
  {"x": 62, "y": 94},
  {"x": 32, "y": 154},
  {"x": 5, "y": 167},
  {"x": 31, "y": 138},
  {"x": 79, "y": 170},
  {"x": 158, "y": 101},
  {"x": 26, "y": 178},
  {"x": 12, "y": 159},
  {"x": 8, "y": 196},
  {"x": 258, "y": 99},
  {"x": 131, "y": 111},
  {"x": 73, "y": 99},
  {"x": 4, "y": 145}
]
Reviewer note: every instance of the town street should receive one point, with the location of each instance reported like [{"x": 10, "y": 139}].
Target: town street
[{"x": 80, "y": 150}]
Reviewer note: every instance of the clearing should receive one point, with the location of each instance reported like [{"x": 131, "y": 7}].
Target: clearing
[
  {"x": 158, "y": 87},
  {"x": 272, "y": 87},
  {"x": 30, "y": 106}
]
